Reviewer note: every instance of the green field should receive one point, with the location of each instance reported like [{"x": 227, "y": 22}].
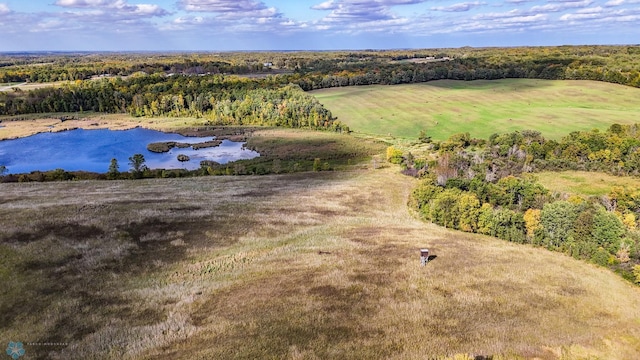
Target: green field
[
  {"x": 482, "y": 108},
  {"x": 300, "y": 266},
  {"x": 584, "y": 183}
]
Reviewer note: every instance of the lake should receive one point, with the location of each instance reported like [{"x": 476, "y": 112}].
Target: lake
[{"x": 92, "y": 150}]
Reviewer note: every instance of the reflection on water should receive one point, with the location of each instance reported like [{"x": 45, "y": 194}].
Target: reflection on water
[{"x": 92, "y": 150}]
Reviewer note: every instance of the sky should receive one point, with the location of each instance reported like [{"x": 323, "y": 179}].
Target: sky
[{"x": 226, "y": 25}]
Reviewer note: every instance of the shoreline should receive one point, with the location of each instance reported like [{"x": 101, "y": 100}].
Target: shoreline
[{"x": 15, "y": 128}]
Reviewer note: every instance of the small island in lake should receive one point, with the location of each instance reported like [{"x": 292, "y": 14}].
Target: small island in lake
[{"x": 162, "y": 147}]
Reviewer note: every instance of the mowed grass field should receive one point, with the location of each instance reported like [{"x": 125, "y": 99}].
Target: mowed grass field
[
  {"x": 301, "y": 266},
  {"x": 446, "y": 107},
  {"x": 585, "y": 183}
]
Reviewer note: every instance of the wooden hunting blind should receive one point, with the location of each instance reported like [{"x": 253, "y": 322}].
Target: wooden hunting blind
[{"x": 424, "y": 256}]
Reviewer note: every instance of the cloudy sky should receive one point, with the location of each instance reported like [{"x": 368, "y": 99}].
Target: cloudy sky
[{"x": 29, "y": 25}]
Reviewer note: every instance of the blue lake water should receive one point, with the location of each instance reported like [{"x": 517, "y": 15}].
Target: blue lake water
[{"x": 92, "y": 150}]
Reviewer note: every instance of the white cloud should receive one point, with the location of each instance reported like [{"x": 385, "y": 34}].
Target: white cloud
[
  {"x": 460, "y": 7},
  {"x": 118, "y": 6},
  {"x": 493, "y": 16},
  {"x": 612, "y": 3},
  {"x": 150, "y": 10},
  {"x": 4, "y": 9},
  {"x": 222, "y": 6},
  {"x": 356, "y": 16},
  {"x": 85, "y": 3},
  {"x": 400, "y": 2},
  {"x": 561, "y": 5},
  {"x": 593, "y": 10},
  {"x": 327, "y": 5},
  {"x": 601, "y": 16},
  {"x": 193, "y": 20},
  {"x": 245, "y": 14},
  {"x": 271, "y": 13},
  {"x": 232, "y": 16}
]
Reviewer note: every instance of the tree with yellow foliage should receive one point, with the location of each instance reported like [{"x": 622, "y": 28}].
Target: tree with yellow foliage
[
  {"x": 629, "y": 221},
  {"x": 531, "y": 222}
]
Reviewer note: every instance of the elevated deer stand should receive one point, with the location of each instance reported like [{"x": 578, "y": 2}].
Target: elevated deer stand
[{"x": 424, "y": 257}]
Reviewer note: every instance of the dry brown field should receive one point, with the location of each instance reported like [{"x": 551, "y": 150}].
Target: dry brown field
[{"x": 300, "y": 266}]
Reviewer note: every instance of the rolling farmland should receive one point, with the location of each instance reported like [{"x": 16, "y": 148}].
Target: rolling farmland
[{"x": 446, "y": 107}]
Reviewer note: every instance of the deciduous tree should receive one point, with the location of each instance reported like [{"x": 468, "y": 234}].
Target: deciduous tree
[{"x": 137, "y": 163}]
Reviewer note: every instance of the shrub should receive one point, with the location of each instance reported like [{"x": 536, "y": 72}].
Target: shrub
[
  {"x": 636, "y": 273},
  {"x": 422, "y": 196},
  {"x": 608, "y": 230},
  {"x": 394, "y": 155}
]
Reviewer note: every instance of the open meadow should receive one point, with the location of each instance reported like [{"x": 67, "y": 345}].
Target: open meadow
[
  {"x": 442, "y": 108},
  {"x": 318, "y": 265},
  {"x": 584, "y": 183}
]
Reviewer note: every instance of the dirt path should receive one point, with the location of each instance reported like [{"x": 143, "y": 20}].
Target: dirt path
[{"x": 7, "y": 88}]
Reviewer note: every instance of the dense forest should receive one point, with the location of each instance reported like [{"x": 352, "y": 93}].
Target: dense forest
[
  {"x": 486, "y": 186},
  {"x": 219, "y": 100},
  {"x": 312, "y": 70}
]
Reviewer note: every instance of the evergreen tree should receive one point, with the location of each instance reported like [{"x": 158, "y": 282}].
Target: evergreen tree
[{"x": 113, "y": 172}]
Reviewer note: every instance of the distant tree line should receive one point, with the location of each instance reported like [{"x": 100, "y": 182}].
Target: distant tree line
[
  {"x": 314, "y": 70},
  {"x": 43, "y": 69},
  {"x": 616, "y": 64}
]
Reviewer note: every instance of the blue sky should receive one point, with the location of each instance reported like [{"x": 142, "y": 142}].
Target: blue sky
[{"x": 29, "y": 25}]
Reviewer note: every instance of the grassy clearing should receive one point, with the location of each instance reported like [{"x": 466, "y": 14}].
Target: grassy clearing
[
  {"x": 302, "y": 266},
  {"x": 584, "y": 183},
  {"x": 296, "y": 150},
  {"x": 30, "y": 86},
  {"x": 482, "y": 108}
]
